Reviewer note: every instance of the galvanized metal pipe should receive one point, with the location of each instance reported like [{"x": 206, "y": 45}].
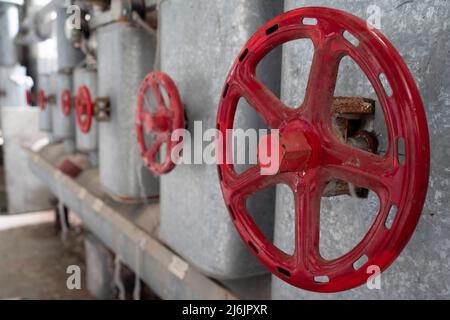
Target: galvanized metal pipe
[
  {"x": 120, "y": 72},
  {"x": 199, "y": 42}
]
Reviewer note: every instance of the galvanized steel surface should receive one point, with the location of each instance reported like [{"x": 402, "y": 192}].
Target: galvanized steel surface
[
  {"x": 45, "y": 115},
  {"x": 125, "y": 55},
  {"x": 420, "y": 32},
  {"x": 68, "y": 57},
  {"x": 199, "y": 41},
  {"x": 12, "y": 92},
  {"x": 9, "y": 26},
  {"x": 63, "y": 126}
]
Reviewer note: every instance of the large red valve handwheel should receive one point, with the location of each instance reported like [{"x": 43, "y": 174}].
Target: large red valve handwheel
[
  {"x": 66, "y": 102},
  {"x": 168, "y": 116},
  {"x": 313, "y": 154},
  {"x": 84, "y": 108},
  {"x": 42, "y": 99}
]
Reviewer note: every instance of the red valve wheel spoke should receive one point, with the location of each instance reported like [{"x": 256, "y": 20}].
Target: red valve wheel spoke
[
  {"x": 273, "y": 111},
  {"x": 361, "y": 168},
  {"x": 160, "y": 123},
  {"x": 150, "y": 155},
  {"x": 66, "y": 102},
  {"x": 322, "y": 81},
  {"x": 157, "y": 94},
  {"x": 84, "y": 108},
  {"x": 307, "y": 226},
  {"x": 312, "y": 154},
  {"x": 248, "y": 182}
]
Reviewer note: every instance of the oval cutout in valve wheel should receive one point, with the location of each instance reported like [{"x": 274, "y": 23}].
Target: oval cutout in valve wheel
[
  {"x": 85, "y": 108},
  {"x": 66, "y": 102},
  {"x": 167, "y": 116},
  {"x": 403, "y": 185}
]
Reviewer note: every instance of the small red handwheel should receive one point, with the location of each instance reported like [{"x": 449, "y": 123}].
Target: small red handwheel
[
  {"x": 42, "y": 99},
  {"x": 161, "y": 122},
  {"x": 28, "y": 97},
  {"x": 66, "y": 102},
  {"x": 311, "y": 153},
  {"x": 84, "y": 108}
]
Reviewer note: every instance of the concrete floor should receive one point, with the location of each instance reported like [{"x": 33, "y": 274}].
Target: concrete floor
[{"x": 34, "y": 259}]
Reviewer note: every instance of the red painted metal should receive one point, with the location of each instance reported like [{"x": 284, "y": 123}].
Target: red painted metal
[
  {"x": 66, "y": 102},
  {"x": 84, "y": 108},
  {"x": 42, "y": 99},
  {"x": 168, "y": 116},
  {"x": 29, "y": 97},
  {"x": 403, "y": 185}
]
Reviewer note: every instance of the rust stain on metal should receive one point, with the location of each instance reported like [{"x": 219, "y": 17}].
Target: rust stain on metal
[
  {"x": 349, "y": 115},
  {"x": 353, "y": 105}
]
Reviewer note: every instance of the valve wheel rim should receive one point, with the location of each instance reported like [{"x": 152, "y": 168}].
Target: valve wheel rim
[
  {"x": 331, "y": 158},
  {"x": 174, "y": 112},
  {"x": 84, "y": 108},
  {"x": 42, "y": 100},
  {"x": 66, "y": 102}
]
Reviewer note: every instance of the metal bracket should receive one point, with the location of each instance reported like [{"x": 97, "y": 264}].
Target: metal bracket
[
  {"x": 51, "y": 99},
  {"x": 102, "y": 109},
  {"x": 351, "y": 116}
]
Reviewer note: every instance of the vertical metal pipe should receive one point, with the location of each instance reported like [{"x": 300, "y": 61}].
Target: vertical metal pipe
[
  {"x": 199, "y": 42},
  {"x": 125, "y": 55}
]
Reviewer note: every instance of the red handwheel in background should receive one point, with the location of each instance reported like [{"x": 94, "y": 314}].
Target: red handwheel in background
[
  {"x": 28, "y": 97},
  {"x": 84, "y": 108},
  {"x": 167, "y": 116},
  {"x": 42, "y": 99},
  {"x": 66, "y": 102},
  {"x": 312, "y": 153}
]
